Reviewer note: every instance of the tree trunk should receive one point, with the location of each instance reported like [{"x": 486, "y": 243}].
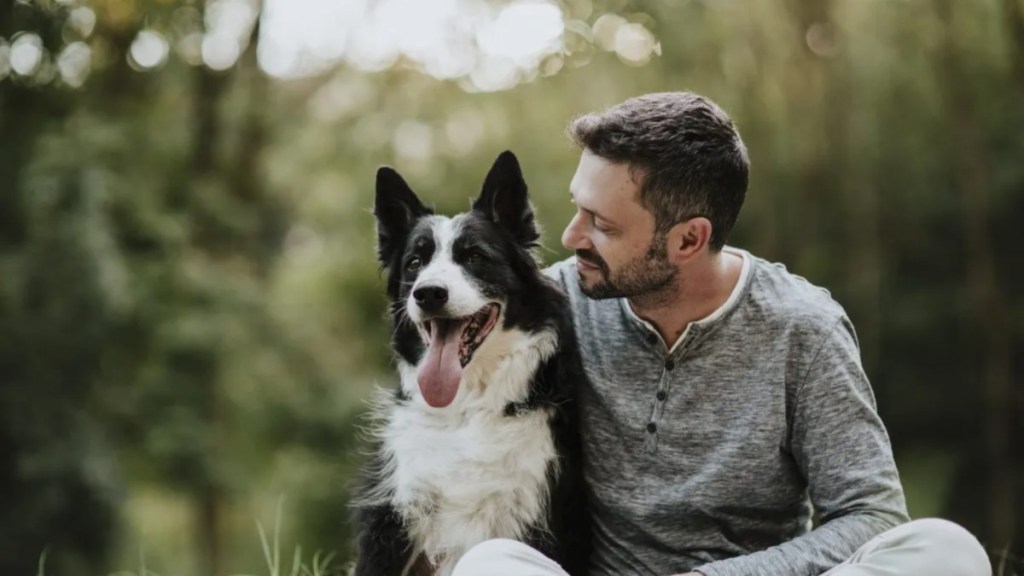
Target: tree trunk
[
  {"x": 990, "y": 310},
  {"x": 246, "y": 176},
  {"x": 806, "y": 85},
  {"x": 246, "y": 183},
  {"x": 1013, "y": 12}
]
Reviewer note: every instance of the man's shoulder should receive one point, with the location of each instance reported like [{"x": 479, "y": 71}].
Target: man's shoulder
[
  {"x": 556, "y": 270},
  {"x": 564, "y": 275},
  {"x": 788, "y": 296},
  {"x": 586, "y": 311}
]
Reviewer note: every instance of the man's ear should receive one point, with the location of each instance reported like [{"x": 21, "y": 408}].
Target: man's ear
[
  {"x": 397, "y": 208},
  {"x": 688, "y": 238},
  {"x": 504, "y": 200}
]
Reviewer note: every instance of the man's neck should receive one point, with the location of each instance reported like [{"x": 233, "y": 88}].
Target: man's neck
[{"x": 700, "y": 290}]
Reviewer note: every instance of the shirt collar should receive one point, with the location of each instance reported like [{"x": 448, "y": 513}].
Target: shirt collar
[{"x": 719, "y": 313}]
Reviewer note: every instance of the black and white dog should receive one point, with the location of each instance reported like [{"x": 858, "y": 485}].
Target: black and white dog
[{"x": 479, "y": 440}]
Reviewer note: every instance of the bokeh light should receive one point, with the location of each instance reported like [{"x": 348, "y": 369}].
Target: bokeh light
[
  {"x": 228, "y": 25},
  {"x": 74, "y": 63},
  {"x": 26, "y": 53},
  {"x": 83, "y": 20},
  {"x": 148, "y": 51},
  {"x": 635, "y": 44},
  {"x": 488, "y": 47}
]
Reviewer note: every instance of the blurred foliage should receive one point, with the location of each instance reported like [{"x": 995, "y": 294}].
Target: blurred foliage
[{"x": 191, "y": 317}]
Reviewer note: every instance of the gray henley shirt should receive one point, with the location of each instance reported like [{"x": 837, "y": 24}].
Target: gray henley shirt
[{"x": 712, "y": 454}]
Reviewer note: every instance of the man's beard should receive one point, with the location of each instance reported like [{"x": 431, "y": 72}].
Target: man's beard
[{"x": 644, "y": 277}]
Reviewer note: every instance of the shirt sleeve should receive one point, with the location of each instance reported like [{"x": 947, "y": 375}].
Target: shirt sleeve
[{"x": 840, "y": 445}]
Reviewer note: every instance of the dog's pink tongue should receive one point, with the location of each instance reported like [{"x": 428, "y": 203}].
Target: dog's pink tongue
[{"x": 441, "y": 370}]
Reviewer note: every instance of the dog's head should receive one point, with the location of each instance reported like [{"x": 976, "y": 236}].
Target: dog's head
[{"x": 451, "y": 280}]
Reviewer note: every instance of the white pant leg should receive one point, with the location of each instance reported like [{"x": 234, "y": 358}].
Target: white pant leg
[
  {"x": 503, "y": 557},
  {"x": 930, "y": 546}
]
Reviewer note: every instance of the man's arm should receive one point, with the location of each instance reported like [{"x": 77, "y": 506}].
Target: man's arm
[{"x": 841, "y": 447}]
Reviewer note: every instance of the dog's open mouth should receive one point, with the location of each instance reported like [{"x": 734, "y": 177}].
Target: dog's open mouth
[{"x": 451, "y": 343}]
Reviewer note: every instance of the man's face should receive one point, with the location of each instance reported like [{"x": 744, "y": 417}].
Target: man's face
[{"x": 618, "y": 253}]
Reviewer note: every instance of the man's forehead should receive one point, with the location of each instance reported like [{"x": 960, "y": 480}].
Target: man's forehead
[{"x": 601, "y": 181}]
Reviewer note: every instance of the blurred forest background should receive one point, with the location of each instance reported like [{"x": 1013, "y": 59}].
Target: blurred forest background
[{"x": 191, "y": 317}]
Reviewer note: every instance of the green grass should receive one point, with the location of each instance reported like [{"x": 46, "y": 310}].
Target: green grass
[
  {"x": 319, "y": 564},
  {"x": 272, "y": 555},
  {"x": 42, "y": 563}
]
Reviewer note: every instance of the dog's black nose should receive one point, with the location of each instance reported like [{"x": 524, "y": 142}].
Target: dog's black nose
[{"x": 430, "y": 298}]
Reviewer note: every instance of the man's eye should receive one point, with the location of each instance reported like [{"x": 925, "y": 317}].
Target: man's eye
[{"x": 414, "y": 264}]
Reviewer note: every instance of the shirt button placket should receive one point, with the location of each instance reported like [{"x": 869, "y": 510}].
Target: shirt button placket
[
  {"x": 650, "y": 445},
  {"x": 662, "y": 394}
]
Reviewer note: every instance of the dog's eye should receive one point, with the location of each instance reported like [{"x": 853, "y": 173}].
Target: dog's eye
[
  {"x": 414, "y": 264},
  {"x": 475, "y": 257}
]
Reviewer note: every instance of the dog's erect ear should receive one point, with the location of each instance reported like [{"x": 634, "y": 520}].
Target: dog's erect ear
[
  {"x": 503, "y": 199},
  {"x": 397, "y": 208}
]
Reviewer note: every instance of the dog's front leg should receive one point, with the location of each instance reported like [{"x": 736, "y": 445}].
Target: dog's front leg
[{"x": 384, "y": 548}]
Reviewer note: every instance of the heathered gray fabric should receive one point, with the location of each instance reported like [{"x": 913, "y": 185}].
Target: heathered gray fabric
[{"x": 766, "y": 412}]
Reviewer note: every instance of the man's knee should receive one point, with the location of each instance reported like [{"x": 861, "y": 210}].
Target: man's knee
[
  {"x": 952, "y": 547},
  {"x": 487, "y": 553},
  {"x": 502, "y": 556}
]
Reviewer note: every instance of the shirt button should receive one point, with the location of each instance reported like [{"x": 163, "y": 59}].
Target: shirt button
[
  {"x": 670, "y": 364},
  {"x": 652, "y": 427},
  {"x": 662, "y": 395}
]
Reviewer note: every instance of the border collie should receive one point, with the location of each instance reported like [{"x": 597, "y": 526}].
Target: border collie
[{"x": 479, "y": 440}]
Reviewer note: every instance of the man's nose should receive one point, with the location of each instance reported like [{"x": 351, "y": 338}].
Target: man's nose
[{"x": 573, "y": 238}]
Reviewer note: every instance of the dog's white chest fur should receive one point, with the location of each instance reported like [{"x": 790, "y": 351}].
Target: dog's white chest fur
[
  {"x": 460, "y": 484},
  {"x": 467, "y": 473}
]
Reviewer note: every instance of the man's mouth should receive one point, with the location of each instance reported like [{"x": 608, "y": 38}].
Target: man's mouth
[
  {"x": 451, "y": 343},
  {"x": 587, "y": 263}
]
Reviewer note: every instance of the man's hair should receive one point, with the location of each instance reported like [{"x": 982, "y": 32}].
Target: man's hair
[{"x": 688, "y": 155}]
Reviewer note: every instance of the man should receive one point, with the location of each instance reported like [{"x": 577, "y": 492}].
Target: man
[{"x": 728, "y": 400}]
